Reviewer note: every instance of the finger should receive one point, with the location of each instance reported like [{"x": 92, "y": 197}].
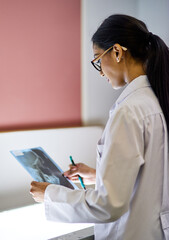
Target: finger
[
  {"x": 74, "y": 178},
  {"x": 71, "y": 172},
  {"x": 31, "y": 193},
  {"x": 72, "y": 166},
  {"x": 32, "y": 190},
  {"x": 35, "y": 198},
  {"x": 66, "y": 173},
  {"x": 75, "y": 181},
  {"x": 34, "y": 183},
  {"x": 34, "y": 186}
]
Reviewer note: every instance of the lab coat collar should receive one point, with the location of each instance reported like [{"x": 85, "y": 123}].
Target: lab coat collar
[{"x": 137, "y": 83}]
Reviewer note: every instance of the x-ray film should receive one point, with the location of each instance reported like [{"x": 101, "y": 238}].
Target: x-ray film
[{"x": 41, "y": 167}]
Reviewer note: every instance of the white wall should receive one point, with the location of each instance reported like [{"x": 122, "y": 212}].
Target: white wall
[
  {"x": 97, "y": 94},
  {"x": 58, "y": 143},
  {"x": 155, "y": 13}
]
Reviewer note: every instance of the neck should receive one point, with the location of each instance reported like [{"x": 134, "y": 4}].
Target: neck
[{"x": 133, "y": 70}]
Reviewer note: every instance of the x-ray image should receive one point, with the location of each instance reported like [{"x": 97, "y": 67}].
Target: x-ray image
[{"x": 41, "y": 167}]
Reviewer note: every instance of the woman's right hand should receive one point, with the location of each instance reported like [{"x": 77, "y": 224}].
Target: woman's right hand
[{"x": 87, "y": 173}]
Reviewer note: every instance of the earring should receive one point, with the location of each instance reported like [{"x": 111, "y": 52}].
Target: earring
[{"x": 118, "y": 60}]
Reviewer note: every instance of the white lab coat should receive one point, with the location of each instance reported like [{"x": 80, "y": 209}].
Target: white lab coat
[{"x": 127, "y": 200}]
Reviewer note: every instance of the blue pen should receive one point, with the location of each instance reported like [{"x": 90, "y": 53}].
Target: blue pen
[{"x": 80, "y": 178}]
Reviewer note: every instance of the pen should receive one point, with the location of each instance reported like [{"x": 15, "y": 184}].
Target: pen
[{"x": 80, "y": 178}]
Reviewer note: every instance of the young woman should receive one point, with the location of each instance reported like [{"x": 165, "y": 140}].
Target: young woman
[{"x": 131, "y": 199}]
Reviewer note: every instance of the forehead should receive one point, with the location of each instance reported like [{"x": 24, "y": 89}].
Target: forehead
[{"x": 97, "y": 50}]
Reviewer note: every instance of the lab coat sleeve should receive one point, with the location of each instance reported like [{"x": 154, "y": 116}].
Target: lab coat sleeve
[{"x": 117, "y": 170}]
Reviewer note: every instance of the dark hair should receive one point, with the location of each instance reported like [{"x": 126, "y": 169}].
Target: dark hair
[{"x": 144, "y": 47}]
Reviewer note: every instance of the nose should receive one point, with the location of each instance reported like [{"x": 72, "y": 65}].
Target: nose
[{"x": 101, "y": 73}]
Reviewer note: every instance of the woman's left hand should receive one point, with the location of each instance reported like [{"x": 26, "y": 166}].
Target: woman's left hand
[{"x": 37, "y": 190}]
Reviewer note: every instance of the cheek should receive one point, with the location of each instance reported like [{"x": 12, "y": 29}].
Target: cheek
[{"x": 114, "y": 75}]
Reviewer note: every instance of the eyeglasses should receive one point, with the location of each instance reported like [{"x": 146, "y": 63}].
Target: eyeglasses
[{"x": 97, "y": 61}]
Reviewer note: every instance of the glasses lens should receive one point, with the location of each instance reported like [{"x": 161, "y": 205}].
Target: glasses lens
[{"x": 97, "y": 65}]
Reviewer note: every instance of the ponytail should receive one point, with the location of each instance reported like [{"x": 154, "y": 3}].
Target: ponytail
[
  {"x": 144, "y": 47},
  {"x": 158, "y": 72}
]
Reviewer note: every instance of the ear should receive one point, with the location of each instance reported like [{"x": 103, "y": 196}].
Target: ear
[{"x": 117, "y": 52}]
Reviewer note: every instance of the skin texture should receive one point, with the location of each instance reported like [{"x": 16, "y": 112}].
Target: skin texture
[
  {"x": 88, "y": 174},
  {"x": 119, "y": 68},
  {"x": 37, "y": 190}
]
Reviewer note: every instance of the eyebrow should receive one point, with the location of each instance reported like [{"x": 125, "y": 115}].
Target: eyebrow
[{"x": 95, "y": 55}]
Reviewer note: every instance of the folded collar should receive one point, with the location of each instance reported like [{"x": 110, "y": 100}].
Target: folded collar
[{"x": 137, "y": 83}]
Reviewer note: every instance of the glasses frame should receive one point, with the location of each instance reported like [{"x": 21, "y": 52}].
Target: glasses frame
[{"x": 98, "y": 67}]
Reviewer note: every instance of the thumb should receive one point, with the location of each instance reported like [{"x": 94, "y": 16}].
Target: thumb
[{"x": 71, "y": 172}]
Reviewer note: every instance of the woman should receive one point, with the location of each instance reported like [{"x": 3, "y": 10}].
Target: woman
[{"x": 131, "y": 200}]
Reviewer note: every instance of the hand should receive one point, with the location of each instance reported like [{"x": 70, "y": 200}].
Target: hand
[
  {"x": 38, "y": 190},
  {"x": 87, "y": 173}
]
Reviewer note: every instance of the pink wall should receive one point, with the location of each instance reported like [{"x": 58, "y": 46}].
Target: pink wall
[{"x": 39, "y": 63}]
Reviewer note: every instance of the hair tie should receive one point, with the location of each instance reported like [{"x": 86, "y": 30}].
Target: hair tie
[{"x": 149, "y": 36}]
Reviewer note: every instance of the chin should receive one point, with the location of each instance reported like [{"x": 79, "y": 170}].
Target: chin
[
  {"x": 117, "y": 82},
  {"x": 116, "y": 87}
]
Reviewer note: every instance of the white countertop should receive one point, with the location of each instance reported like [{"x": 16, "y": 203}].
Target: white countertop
[{"x": 29, "y": 223}]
